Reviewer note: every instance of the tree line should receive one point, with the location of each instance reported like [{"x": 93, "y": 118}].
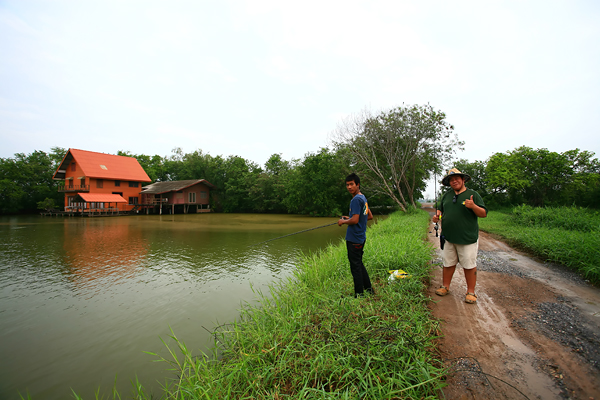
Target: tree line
[
  {"x": 536, "y": 177},
  {"x": 313, "y": 185},
  {"x": 395, "y": 152}
]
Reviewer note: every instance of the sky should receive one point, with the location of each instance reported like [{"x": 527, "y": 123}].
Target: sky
[{"x": 263, "y": 77}]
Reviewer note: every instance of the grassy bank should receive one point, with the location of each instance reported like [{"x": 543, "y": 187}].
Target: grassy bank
[
  {"x": 565, "y": 235},
  {"x": 309, "y": 338}
]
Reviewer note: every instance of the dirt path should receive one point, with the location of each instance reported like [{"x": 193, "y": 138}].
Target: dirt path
[{"x": 533, "y": 334}]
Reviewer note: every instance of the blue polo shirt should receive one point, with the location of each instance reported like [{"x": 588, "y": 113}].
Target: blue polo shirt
[{"x": 358, "y": 233}]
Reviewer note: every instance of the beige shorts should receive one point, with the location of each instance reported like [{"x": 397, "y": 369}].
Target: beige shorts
[{"x": 465, "y": 254}]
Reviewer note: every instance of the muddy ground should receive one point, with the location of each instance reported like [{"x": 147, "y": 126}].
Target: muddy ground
[{"x": 534, "y": 332}]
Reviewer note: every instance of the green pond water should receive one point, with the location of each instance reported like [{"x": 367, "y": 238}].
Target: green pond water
[{"x": 82, "y": 299}]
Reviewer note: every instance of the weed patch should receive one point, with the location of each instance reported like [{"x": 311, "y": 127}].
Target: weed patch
[{"x": 565, "y": 235}]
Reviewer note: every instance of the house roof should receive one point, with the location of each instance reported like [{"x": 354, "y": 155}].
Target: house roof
[
  {"x": 102, "y": 198},
  {"x": 103, "y": 166},
  {"x": 173, "y": 186}
]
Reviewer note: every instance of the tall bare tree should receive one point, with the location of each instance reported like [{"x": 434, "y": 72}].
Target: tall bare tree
[{"x": 397, "y": 150}]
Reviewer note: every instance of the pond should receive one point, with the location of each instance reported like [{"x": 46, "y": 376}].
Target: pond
[{"x": 83, "y": 299}]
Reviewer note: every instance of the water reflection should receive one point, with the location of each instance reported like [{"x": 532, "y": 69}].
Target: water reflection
[
  {"x": 82, "y": 299},
  {"x": 101, "y": 253}
]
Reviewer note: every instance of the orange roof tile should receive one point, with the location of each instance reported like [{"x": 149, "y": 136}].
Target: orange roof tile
[
  {"x": 102, "y": 198},
  {"x": 104, "y": 166}
]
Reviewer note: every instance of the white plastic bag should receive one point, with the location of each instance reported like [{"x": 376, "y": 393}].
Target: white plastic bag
[{"x": 397, "y": 274}]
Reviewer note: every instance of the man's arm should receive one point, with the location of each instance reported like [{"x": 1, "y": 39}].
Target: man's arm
[
  {"x": 479, "y": 211},
  {"x": 348, "y": 221}
]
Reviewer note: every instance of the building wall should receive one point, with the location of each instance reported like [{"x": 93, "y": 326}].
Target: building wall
[
  {"x": 198, "y": 189},
  {"x": 129, "y": 193},
  {"x": 103, "y": 186}
]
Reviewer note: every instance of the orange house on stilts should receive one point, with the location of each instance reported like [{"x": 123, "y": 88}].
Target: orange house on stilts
[{"x": 100, "y": 184}]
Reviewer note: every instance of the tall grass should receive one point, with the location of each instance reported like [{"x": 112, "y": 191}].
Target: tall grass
[
  {"x": 309, "y": 338},
  {"x": 566, "y": 235},
  {"x": 567, "y": 218}
]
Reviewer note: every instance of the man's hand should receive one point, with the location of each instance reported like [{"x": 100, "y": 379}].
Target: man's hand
[
  {"x": 341, "y": 220},
  {"x": 469, "y": 203},
  {"x": 436, "y": 217},
  {"x": 479, "y": 211}
]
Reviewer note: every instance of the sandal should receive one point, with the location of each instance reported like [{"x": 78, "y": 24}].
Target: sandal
[
  {"x": 471, "y": 298},
  {"x": 442, "y": 291}
]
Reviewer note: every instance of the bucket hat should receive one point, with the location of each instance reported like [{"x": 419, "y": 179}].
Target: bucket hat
[{"x": 454, "y": 171}]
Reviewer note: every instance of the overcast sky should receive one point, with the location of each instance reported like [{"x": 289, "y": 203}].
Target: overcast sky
[{"x": 254, "y": 78}]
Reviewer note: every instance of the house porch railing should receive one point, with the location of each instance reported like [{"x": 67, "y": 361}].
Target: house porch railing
[{"x": 73, "y": 188}]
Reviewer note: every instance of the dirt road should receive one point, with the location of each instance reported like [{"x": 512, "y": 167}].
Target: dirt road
[{"x": 534, "y": 332}]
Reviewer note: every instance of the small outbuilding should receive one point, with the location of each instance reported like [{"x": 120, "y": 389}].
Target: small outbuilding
[{"x": 177, "y": 196}]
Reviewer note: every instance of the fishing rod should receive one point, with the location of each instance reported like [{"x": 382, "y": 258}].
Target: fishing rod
[
  {"x": 435, "y": 199},
  {"x": 291, "y": 234}
]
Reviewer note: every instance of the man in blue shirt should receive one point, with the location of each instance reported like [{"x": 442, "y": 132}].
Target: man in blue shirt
[{"x": 356, "y": 235}]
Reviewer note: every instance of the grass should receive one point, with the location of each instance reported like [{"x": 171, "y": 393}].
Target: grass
[
  {"x": 565, "y": 235},
  {"x": 308, "y": 338}
]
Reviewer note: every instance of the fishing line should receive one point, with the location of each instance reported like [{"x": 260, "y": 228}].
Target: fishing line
[{"x": 295, "y": 233}]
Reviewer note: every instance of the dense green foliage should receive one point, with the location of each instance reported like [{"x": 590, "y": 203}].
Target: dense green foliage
[
  {"x": 397, "y": 150},
  {"x": 566, "y": 235},
  {"x": 313, "y": 185},
  {"x": 26, "y": 180},
  {"x": 308, "y": 338},
  {"x": 537, "y": 177}
]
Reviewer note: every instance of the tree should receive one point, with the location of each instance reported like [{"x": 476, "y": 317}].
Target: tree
[
  {"x": 479, "y": 181},
  {"x": 47, "y": 204},
  {"x": 26, "y": 179},
  {"x": 271, "y": 184},
  {"x": 583, "y": 185},
  {"x": 154, "y": 166},
  {"x": 540, "y": 177},
  {"x": 397, "y": 150},
  {"x": 316, "y": 185}
]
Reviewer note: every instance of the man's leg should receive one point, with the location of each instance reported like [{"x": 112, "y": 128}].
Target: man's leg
[
  {"x": 366, "y": 281},
  {"x": 468, "y": 260},
  {"x": 449, "y": 260},
  {"x": 471, "y": 277},
  {"x": 355, "y": 258},
  {"x": 447, "y": 275}
]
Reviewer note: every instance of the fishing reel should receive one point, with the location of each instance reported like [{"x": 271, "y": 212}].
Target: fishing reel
[{"x": 436, "y": 229}]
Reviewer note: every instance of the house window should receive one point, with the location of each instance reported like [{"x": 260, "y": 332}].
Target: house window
[
  {"x": 82, "y": 183},
  {"x": 203, "y": 195},
  {"x": 99, "y": 183},
  {"x": 117, "y": 183},
  {"x": 133, "y": 184},
  {"x": 133, "y": 200},
  {"x": 73, "y": 168},
  {"x": 192, "y": 197}
]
